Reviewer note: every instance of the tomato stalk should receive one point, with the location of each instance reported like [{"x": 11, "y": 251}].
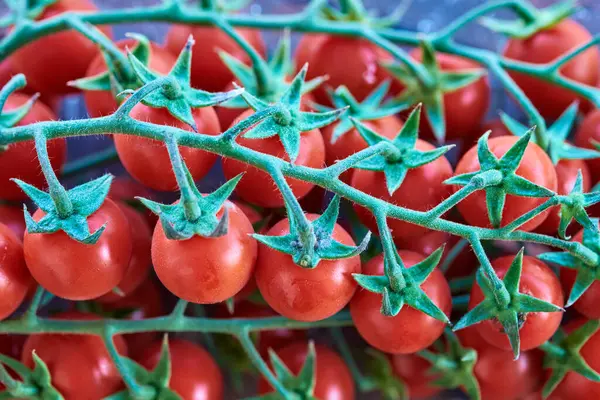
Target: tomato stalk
[{"x": 188, "y": 198}]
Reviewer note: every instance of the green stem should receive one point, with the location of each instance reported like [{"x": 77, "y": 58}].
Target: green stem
[
  {"x": 397, "y": 281},
  {"x": 364, "y": 383},
  {"x": 341, "y": 166},
  {"x": 517, "y": 223},
  {"x": 233, "y": 132},
  {"x": 16, "y": 82},
  {"x": 90, "y": 161},
  {"x": 31, "y": 312},
  {"x": 460, "y": 303},
  {"x": 459, "y": 285},
  {"x": 501, "y": 295},
  {"x": 452, "y": 254},
  {"x": 179, "y": 309},
  {"x": 451, "y": 201}
]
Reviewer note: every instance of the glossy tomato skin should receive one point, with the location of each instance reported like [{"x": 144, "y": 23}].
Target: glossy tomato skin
[
  {"x": 546, "y": 46},
  {"x": 20, "y": 160},
  {"x": 465, "y": 108},
  {"x": 312, "y": 154},
  {"x": 300, "y": 293},
  {"x": 207, "y": 270},
  {"x": 566, "y": 174},
  {"x": 208, "y": 70},
  {"x": 140, "y": 261},
  {"x": 15, "y": 279},
  {"x": 12, "y": 217},
  {"x": 589, "y": 130},
  {"x": 66, "y": 54},
  {"x": 352, "y": 142},
  {"x": 497, "y": 128},
  {"x": 409, "y": 331},
  {"x": 80, "y": 365},
  {"x": 352, "y": 62},
  {"x": 194, "y": 374},
  {"x": 413, "y": 370},
  {"x": 309, "y": 44},
  {"x": 100, "y": 102},
  {"x": 333, "y": 380},
  {"x": 147, "y": 160},
  {"x": 535, "y": 166},
  {"x": 77, "y": 271},
  {"x": 421, "y": 190},
  {"x": 537, "y": 280}
]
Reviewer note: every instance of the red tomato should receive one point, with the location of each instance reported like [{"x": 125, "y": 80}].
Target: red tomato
[
  {"x": 566, "y": 174},
  {"x": 413, "y": 371},
  {"x": 300, "y": 293},
  {"x": 309, "y": 43},
  {"x": 546, "y": 46},
  {"x": 333, "y": 380},
  {"x": 535, "y": 166},
  {"x": 207, "y": 270},
  {"x": 352, "y": 142},
  {"x": 409, "y": 331},
  {"x": 208, "y": 70},
  {"x": 13, "y": 218},
  {"x": 194, "y": 374},
  {"x": 15, "y": 280},
  {"x": 147, "y": 160},
  {"x": 77, "y": 271},
  {"x": 312, "y": 154},
  {"x": 99, "y": 102},
  {"x": 421, "y": 190},
  {"x": 12, "y": 345},
  {"x": 465, "y": 108},
  {"x": 139, "y": 263},
  {"x": 20, "y": 159},
  {"x": 588, "y": 130},
  {"x": 497, "y": 128},
  {"x": 537, "y": 280},
  {"x": 51, "y": 61},
  {"x": 80, "y": 365},
  {"x": 352, "y": 62}
]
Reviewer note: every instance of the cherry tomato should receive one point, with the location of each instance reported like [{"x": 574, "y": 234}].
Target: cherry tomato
[
  {"x": 465, "y": 108},
  {"x": 312, "y": 154},
  {"x": 546, "y": 46},
  {"x": 409, "y": 331},
  {"x": 207, "y": 270},
  {"x": 15, "y": 280},
  {"x": 208, "y": 70},
  {"x": 12, "y": 217},
  {"x": 566, "y": 174},
  {"x": 413, "y": 371},
  {"x": 352, "y": 142},
  {"x": 139, "y": 263},
  {"x": 309, "y": 43},
  {"x": 20, "y": 159},
  {"x": 194, "y": 374},
  {"x": 333, "y": 380},
  {"x": 99, "y": 102},
  {"x": 80, "y": 365},
  {"x": 589, "y": 130},
  {"x": 421, "y": 190},
  {"x": 77, "y": 271},
  {"x": 497, "y": 128},
  {"x": 537, "y": 280},
  {"x": 51, "y": 61},
  {"x": 535, "y": 166},
  {"x": 147, "y": 160}
]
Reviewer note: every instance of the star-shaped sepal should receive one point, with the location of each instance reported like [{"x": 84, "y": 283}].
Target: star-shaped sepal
[
  {"x": 381, "y": 373},
  {"x": 563, "y": 356},
  {"x": 32, "y": 384},
  {"x": 509, "y": 312},
  {"x": 177, "y": 96},
  {"x": 34, "y": 8},
  {"x": 534, "y": 21},
  {"x": 9, "y": 118},
  {"x": 288, "y": 122},
  {"x": 401, "y": 154},
  {"x": 175, "y": 218},
  {"x": 498, "y": 177},
  {"x": 573, "y": 205},
  {"x": 310, "y": 245},
  {"x": 400, "y": 286},
  {"x": 586, "y": 273},
  {"x": 355, "y": 11},
  {"x": 429, "y": 86},
  {"x": 85, "y": 199}
]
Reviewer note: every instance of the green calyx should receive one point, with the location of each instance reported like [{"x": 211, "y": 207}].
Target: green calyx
[
  {"x": 508, "y": 307},
  {"x": 498, "y": 177},
  {"x": 8, "y": 119},
  {"x": 400, "y": 286},
  {"x": 401, "y": 154},
  {"x": 587, "y": 273},
  {"x": 355, "y": 11},
  {"x": 277, "y": 70},
  {"x": 223, "y": 6},
  {"x": 309, "y": 242},
  {"x": 33, "y": 384},
  {"x": 558, "y": 147},
  {"x": 177, "y": 96},
  {"x": 573, "y": 205},
  {"x": 429, "y": 89},
  {"x": 562, "y": 356},
  {"x": 288, "y": 122},
  {"x": 20, "y": 10},
  {"x": 455, "y": 367},
  {"x": 368, "y": 110},
  {"x": 381, "y": 373},
  {"x": 533, "y": 21}
]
